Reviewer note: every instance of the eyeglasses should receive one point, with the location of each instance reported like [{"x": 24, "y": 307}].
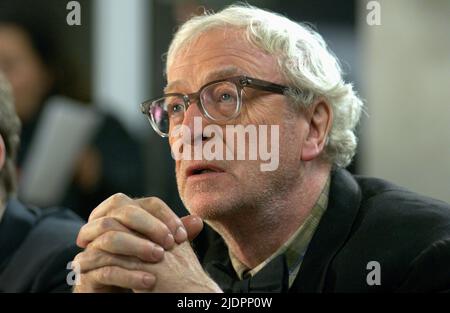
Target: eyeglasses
[{"x": 218, "y": 101}]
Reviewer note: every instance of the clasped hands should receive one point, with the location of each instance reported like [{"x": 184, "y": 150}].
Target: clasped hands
[{"x": 141, "y": 246}]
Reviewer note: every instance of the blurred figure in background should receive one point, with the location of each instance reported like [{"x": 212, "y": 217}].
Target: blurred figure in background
[
  {"x": 35, "y": 63},
  {"x": 35, "y": 245}
]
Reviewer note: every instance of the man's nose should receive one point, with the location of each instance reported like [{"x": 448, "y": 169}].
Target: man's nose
[{"x": 194, "y": 120}]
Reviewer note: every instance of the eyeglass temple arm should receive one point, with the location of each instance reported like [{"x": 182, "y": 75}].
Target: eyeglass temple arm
[{"x": 263, "y": 85}]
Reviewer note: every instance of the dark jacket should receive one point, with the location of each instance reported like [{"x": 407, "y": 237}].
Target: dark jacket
[
  {"x": 35, "y": 247},
  {"x": 367, "y": 220}
]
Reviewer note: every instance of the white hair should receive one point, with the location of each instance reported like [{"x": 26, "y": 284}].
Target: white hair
[{"x": 303, "y": 59}]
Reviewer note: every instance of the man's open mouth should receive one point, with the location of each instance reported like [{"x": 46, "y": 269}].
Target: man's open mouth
[{"x": 198, "y": 169}]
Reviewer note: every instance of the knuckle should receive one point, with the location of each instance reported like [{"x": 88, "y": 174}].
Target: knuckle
[
  {"x": 155, "y": 204},
  {"x": 82, "y": 229},
  {"x": 127, "y": 212},
  {"x": 96, "y": 255},
  {"x": 106, "y": 223},
  {"x": 162, "y": 210},
  {"x": 106, "y": 260},
  {"x": 107, "y": 239},
  {"x": 112, "y": 237},
  {"x": 78, "y": 258},
  {"x": 105, "y": 273},
  {"x": 159, "y": 210},
  {"x": 118, "y": 197},
  {"x": 114, "y": 200},
  {"x": 152, "y": 200},
  {"x": 93, "y": 214}
]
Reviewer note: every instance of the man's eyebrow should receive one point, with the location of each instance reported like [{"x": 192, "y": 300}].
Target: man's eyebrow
[
  {"x": 225, "y": 72},
  {"x": 222, "y": 73}
]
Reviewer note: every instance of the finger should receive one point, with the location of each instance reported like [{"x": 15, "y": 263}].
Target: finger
[
  {"x": 128, "y": 245},
  {"x": 119, "y": 277},
  {"x": 193, "y": 225},
  {"x": 116, "y": 200},
  {"x": 97, "y": 227},
  {"x": 135, "y": 218},
  {"x": 132, "y": 216},
  {"x": 160, "y": 210},
  {"x": 91, "y": 259}
]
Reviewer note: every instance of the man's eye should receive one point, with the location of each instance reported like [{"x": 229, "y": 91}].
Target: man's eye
[
  {"x": 176, "y": 108},
  {"x": 225, "y": 97}
]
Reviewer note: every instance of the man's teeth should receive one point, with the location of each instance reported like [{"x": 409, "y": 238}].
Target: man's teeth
[{"x": 205, "y": 171}]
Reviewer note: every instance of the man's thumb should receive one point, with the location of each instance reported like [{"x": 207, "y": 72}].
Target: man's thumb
[{"x": 193, "y": 225}]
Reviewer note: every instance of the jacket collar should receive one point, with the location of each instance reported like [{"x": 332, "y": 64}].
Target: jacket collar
[{"x": 331, "y": 233}]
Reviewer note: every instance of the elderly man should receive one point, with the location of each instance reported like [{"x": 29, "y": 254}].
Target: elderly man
[
  {"x": 306, "y": 225},
  {"x": 36, "y": 245}
]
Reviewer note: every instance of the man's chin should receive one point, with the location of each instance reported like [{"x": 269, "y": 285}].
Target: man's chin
[{"x": 208, "y": 207}]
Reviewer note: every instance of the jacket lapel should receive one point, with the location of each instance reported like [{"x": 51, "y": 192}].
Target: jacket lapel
[{"x": 331, "y": 233}]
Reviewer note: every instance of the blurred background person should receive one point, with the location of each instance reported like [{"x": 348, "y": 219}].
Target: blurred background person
[
  {"x": 37, "y": 65},
  {"x": 35, "y": 245}
]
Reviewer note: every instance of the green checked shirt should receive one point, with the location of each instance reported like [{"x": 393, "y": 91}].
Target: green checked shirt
[{"x": 295, "y": 248}]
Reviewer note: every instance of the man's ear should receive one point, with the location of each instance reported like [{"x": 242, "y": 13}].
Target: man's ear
[
  {"x": 320, "y": 117},
  {"x": 2, "y": 152}
]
